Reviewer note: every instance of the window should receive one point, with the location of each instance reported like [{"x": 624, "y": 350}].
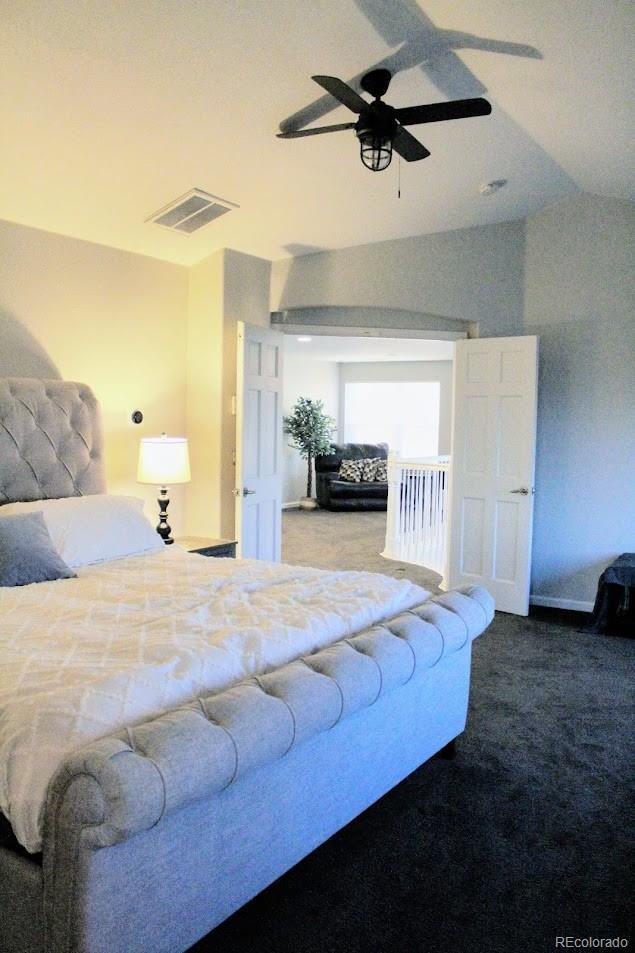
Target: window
[{"x": 403, "y": 415}]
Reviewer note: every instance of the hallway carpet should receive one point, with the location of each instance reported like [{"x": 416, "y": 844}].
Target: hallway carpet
[
  {"x": 345, "y": 541},
  {"x": 524, "y": 837}
]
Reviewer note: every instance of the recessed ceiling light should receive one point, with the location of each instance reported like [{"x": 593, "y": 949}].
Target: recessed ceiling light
[
  {"x": 303, "y": 339},
  {"x": 488, "y": 188}
]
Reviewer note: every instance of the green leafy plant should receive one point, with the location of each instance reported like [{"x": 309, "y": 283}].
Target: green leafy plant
[{"x": 310, "y": 430}]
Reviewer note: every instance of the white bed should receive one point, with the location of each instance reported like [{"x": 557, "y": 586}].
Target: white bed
[
  {"x": 132, "y": 637},
  {"x": 177, "y": 731}
]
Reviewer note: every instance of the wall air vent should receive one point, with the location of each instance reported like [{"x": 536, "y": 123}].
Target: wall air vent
[{"x": 191, "y": 211}]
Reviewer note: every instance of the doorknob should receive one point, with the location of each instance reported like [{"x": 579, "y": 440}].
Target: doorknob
[
  {"x": 247, "y": 492},
  {"x": 522, "y": 489}
]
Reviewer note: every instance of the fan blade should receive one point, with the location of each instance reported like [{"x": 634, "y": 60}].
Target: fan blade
[
  {"x": 337, "y": 88},
  {"x": 315, "y": 132},
  {"x": 407, "y": 146},
  {"x": 439, "y": 112}
]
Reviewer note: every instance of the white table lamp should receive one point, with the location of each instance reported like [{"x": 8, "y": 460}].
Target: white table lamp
[{"x": 163, "y": 461}]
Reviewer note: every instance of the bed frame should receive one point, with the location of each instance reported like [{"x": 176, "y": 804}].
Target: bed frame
[{"x": 157, "y": 833}]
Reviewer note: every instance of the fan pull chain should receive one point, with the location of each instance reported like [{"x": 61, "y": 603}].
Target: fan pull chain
[{"x": 399, "y": 177}]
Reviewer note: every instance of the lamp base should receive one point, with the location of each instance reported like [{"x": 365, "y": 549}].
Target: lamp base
[{"x": 163, "y": 528}]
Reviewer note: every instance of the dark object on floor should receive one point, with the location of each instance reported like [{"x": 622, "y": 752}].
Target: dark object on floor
[
  {"x": 336, "y": 494},
  {"x": 449, "y": 752},
  {"x": 208, "y": 547},
  {"x": 614, "y": 610},
  {"x": 523, "y": 837}
]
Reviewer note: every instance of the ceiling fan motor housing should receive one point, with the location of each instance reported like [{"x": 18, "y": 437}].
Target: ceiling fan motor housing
[{"x": 378, "y": 118}]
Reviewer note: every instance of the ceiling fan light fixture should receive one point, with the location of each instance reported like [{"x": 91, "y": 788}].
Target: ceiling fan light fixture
[{"x": 375, "y": 150}]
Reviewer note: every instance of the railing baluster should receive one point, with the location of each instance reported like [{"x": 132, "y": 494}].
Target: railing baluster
[{"x": 416, "y": 521}]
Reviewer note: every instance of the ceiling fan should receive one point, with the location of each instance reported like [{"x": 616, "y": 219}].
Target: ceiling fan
[{"x": 380, "y": 127}]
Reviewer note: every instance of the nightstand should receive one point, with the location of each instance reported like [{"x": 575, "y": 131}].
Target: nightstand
[{"x": 206, "y": 546}]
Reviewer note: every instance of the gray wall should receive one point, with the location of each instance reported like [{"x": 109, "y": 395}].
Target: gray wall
[
  {"x": 579, "y": 297},
  {"x": 565, "y": 275},
  {"x": 473, "y": 274},
  {"x": 405, "y": 371}
]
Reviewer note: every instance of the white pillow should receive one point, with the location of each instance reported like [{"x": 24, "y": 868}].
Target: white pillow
[{"x": 91, "y": 529}]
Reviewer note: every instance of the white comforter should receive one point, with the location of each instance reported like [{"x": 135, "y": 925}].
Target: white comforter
[{"x": 80, "y": 658}]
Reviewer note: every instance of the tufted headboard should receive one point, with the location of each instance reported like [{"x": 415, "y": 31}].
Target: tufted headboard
[{"x": 51, "y": 443}]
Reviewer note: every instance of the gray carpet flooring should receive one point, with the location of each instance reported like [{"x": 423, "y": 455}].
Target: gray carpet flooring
[
  {"x": 345, "y": 541},
  {"x": 524, "y": 837}
]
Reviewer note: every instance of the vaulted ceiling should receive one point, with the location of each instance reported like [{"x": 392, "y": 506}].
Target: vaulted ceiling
[{"x": 112, "y": 108}]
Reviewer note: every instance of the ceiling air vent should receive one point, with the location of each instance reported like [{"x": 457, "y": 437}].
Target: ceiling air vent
[{"x": 192, "y": 211}]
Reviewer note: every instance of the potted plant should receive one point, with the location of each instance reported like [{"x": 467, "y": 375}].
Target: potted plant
[{"x": 310, "y": 430}]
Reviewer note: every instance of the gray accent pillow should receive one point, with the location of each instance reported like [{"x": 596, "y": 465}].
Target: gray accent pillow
[{"x": 27, "y": 553}]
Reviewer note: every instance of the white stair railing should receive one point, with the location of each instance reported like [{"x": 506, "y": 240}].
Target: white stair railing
[{"x": 417, "y": 517}]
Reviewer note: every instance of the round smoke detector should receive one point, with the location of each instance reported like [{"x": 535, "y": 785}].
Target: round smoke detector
[{"x": 488, "y": 188}]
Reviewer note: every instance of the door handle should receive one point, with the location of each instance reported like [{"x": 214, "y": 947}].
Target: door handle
[
  {"x": 523, "y": 490},
  {"x": 247, "y": 492}
]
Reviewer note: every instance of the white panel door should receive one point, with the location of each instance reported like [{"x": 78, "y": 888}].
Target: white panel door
[
  {"x": 492, "y": 471},
  {"x": 259, "y": 443}
]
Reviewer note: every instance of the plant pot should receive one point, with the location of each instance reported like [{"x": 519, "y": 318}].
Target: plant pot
[{"x": 308, "y": 503}]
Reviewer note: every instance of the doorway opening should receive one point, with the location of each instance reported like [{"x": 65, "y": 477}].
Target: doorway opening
[
  {"x": 492, "y": 398},
  {"x": 385, "y": 396}
]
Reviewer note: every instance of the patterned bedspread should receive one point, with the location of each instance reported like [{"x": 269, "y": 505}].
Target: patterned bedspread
[{"x": 81, "y": 658}]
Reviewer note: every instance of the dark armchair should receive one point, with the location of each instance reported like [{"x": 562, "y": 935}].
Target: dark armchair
[{"x": 336, "y": 494}]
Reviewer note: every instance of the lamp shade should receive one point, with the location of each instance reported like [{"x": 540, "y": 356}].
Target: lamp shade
[{"x": 163, "y": 461}]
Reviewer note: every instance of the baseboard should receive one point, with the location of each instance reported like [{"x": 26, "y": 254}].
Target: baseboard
[
  {"x": 575, "y": 605},
  {"x": 291, "y": 506}
]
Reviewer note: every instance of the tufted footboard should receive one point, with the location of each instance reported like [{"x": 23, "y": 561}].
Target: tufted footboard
[{"x": 156, "y": 834}]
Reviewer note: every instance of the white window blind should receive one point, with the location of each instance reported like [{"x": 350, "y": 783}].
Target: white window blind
[{"x": 405, "y": 415}]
